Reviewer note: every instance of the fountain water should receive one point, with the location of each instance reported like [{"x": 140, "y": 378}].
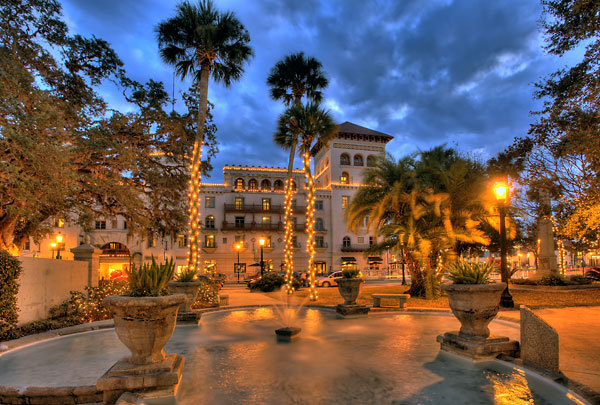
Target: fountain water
[{"x": 288, "y": 315}]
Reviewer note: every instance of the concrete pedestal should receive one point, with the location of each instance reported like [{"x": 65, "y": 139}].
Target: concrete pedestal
[
  {"x": 189, "y": 317},
  {"x": 481, "y": 349},
  {"x": 287, "y": 334},
  {"x": 351, "y": 311},
  {"x": 163, "y": 377}
]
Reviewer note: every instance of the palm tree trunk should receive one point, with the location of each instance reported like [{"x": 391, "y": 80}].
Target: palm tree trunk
[
  {"x": 288, "y": 258},
  {"x": 310, "y": 220},
  {"x": 194, "y": 197}
]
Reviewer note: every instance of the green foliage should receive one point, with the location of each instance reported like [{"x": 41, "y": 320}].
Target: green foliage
[
  {"x": 10, "y": 269},
  {"x": 87, "y": 306},
  {"x": 350, "y": 273},
  {"x": 208, "y": 294},
  {"x": 150, "y": 280},
  {"x": 463, "y": 272},
  {"x": 579, "y": 279},
  {"x": 269, "y": 282},
  {"x": 186, "y": 276},
  {"x": 552, "y": 280}
]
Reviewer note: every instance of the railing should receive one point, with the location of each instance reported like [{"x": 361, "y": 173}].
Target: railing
[
  {"x": 355, "y": 248},
  {"x": 277, "y": 209},
  {"x": 209, "y": 245},
  {"x": 321, "y": 245},
  {"x": 254, "y": 226}
]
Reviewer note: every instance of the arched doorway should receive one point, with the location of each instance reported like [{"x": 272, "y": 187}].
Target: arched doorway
[{"x": 114, "y": 260}]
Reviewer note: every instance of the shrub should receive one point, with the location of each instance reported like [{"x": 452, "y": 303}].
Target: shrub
[
  {"x": 463, "y": 272},
  {"x": 523, "y": 281},
  {"x": 186, "y": 276},
  {"x": 208, "y": 294},
  {"x": 10, "y": 269},
  {"x": 150, "y": 280},
  {"x": 552, "y": 280},
  {"x": 269, "y": 282},
  {"x": 579, "y": 279},
  {"x": 350, "y": 273}
]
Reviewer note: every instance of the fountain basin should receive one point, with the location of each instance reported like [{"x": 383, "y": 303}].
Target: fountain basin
[
  {"x": 287, "y": 334},
  {"x": 232, "y": 358}
]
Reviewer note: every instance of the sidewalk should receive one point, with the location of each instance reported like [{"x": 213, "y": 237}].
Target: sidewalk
[{"x": 240, "y": 295}]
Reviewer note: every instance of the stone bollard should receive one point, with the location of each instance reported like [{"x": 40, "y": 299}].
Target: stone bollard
[{"x": 539, "y": 341}]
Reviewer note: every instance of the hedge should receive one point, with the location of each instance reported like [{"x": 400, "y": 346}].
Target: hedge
[{"x": 10, "y": 269}]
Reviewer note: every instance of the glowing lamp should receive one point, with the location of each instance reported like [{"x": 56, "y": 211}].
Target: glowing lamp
[
  {"x": 59, "y": 238},
  {"x": 53, "y": 245},
  {"x": 501, "y": 191},
  {"x": 261, "y": 241}
]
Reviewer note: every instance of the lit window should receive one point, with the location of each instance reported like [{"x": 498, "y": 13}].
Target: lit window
[
  {"x": 209, "y": 241},
  {"x": 209, "y": 202},
  {"x": 266, "y": 204},
  {"x": 239, "y": 203},
  {"x": 182, "y": 240},
  {"x": 253, "y": 185},
  {"x": 345, "y": 200},
  {"x": 293, "y": 185},
  {"x": 210, "y": 222},
  {"x": 345, "y": 178},
  {"x": 239, "y": 184}
]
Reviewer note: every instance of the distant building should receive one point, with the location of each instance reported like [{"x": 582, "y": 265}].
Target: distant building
[{"x": 249, "y": 206}]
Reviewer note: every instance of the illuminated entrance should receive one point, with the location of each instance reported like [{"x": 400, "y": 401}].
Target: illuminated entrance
[{"x": 114, "y": 260}]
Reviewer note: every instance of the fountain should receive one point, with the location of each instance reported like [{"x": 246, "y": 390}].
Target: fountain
[
  {"x": 232, "y": 358},
  {"x": 288, "y": 315}
]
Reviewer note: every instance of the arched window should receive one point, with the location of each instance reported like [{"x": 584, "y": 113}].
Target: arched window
[
  {"x": 278, "y": 185},
  {"x": 293, "y": 185},
  {"x": 265, "y": 185},
  {"x": 253, "y": 185},
  {"x": 344, "y": 159},
  {"x": 358, "y": 160},
  {"x": 210, "y": 222},
  {"x": 319, "y": 224},
  {"x": 239, "y": 184},
  {"x": 346, "y": 242},
  {"x": 345, "y": 178},
  {"x": 371, "y": 160}
]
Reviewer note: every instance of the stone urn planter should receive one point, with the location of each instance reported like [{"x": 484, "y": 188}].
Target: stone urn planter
[
  {"x": 189, "y": 290},
  {"x": 145, "y": 324},
  {"x": 349, "y": 289},
  {"x": 475, "y": 306}
]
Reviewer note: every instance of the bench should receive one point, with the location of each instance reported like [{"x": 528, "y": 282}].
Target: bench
[
  {"x": 224, "y": 299},
  {"x": 402, "y": 298}
]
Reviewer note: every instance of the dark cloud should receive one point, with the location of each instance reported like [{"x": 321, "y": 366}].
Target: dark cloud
[{"x": 457, "y": 72}]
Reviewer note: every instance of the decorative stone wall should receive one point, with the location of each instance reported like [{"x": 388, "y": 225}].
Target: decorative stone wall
[{"x": 539, "y": 341}]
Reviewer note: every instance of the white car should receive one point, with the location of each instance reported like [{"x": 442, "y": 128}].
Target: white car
[{"x": 328, "y": 281}]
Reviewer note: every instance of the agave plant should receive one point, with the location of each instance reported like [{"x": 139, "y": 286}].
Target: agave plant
[
  {"x": 150, "y": 280},
  {"x": 463, "y": 272},
  {"x": 186, "y": 276}
]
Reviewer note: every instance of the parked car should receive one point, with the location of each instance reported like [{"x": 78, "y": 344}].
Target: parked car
[{"x": 328, "y": 281}]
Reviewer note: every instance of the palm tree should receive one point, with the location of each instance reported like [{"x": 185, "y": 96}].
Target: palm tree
[
  {"x": 291, "y": 79},
  {"x": 306, "y": 125},
  {"x": 200, "y": 41}
]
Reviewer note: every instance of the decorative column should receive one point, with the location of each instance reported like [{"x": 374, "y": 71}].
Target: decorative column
[
  {"x": 90, "y": 254},
  {"x": 547, "y": 257}
]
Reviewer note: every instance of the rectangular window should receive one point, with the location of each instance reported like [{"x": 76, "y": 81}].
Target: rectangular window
[
  {"x": 224, "y": 241},
  {"x": 59, "y": 222},
  {"x": 319, "y": 241},
  {"x": 239, "y": 203},
  {"x": 182, "y": 240},
  {"x": 100, "y": 225},
  {"x": 114, "y": 224},
  {"x": 371, "y": 240},
  {"x": 239, "y": 222},
  {"x": 239, "y": 239},
  {"x": 27, "y": 245},
  {"x": 209, "y": 241},
  {"x": 209, "y": 202},
  {"x": 345, "y": 200},
  {"x": 319, "y": 204},
  {"x": 267, "y": 241},
  {"x": 361, "y": 239},
  {"x": 124, "y": 224},
  {"x": 295, "y": 241},
  {"x": 266, "y": 204},
  {"x": 151, "y": 242}
]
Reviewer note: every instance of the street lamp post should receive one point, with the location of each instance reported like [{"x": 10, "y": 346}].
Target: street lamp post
[
  {"x": 403, "y": 275},
  {"x": 57, "y": 246},
  {"x": 501, "y": 190},
  {"x": 261, "y": 242},
  {"x": 238, "y": 247}
]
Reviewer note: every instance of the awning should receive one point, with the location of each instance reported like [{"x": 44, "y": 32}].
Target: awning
[
  {"x": 375, "y": 259},
  {"x": 348, "y": 259}
]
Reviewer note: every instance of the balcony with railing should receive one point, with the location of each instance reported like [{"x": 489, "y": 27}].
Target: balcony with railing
[
  {"x": 261, "y": 208},
  {"x": 355, "y": 247},
  {"x": 255, "y": 226}
]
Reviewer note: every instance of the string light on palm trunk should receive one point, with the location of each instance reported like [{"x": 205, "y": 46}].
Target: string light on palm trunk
[
  {"x": 288, "y": 257},
  {"x": 194, "y": 208},
  {"x": 310, "y": 243},
  {"x": 561, "y": 249}
]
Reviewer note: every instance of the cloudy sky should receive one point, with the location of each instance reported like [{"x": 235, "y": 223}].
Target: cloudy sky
[{"x": 425, "y": 71}]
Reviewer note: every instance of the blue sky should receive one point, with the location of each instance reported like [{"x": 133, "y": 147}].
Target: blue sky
[{"x": 425, "y": 71}]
